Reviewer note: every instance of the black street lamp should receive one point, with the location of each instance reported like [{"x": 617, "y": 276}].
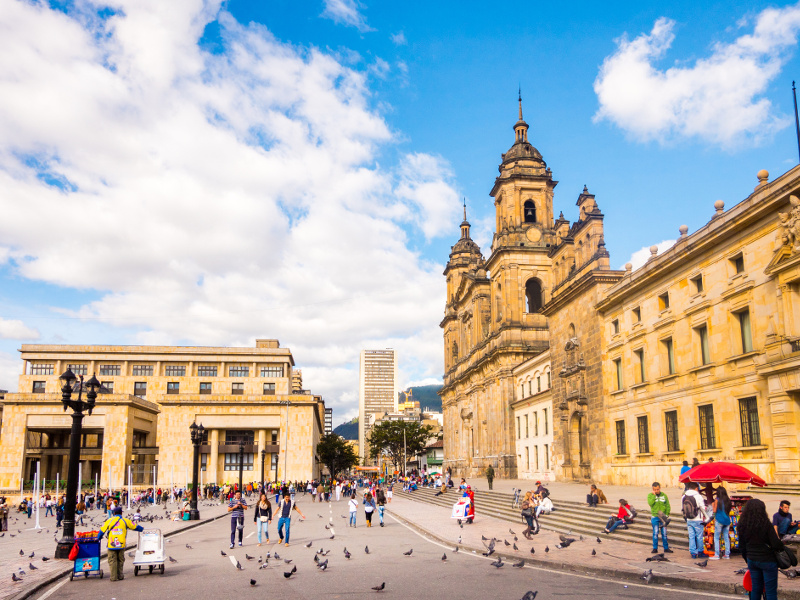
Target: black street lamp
[
  {"x": 196, "y": 432},
  {"x": 64, "y": 545},
  {"x": 263, "y": 458},
  {"x": 241, "y": 463}
]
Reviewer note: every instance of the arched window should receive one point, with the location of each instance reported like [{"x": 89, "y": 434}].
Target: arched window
[
  {"x": 533, "y": 293},
  {"x": 529, "y": 209}
]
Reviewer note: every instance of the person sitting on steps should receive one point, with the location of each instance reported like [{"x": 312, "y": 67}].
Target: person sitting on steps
[
  {"x": 625, "y": 515},
  {"x": 595, "y": 496}
]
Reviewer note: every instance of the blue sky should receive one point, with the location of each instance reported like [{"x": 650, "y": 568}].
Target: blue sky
[{"x": 202, "y": 173}]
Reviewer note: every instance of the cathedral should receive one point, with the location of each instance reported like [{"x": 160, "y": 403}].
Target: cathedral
[
  {"x": 538, "y": 283},
  {"x": 695, "y": 354}
]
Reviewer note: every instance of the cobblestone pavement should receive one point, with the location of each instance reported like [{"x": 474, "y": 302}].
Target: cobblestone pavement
[{"x": 22, "y": 536}]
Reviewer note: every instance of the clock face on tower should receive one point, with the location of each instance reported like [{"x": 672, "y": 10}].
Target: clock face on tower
[{"x": 533, "y": 234}]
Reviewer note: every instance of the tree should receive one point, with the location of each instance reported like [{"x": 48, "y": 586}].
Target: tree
[
  {"x": 336, "y": 454},
  {"x": 388, "y": 436}
]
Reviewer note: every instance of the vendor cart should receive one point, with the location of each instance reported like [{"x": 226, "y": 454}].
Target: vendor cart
[
  {"x": 460, "y": 510},
  {"x": 149, "y": 551},
  {"x": 87, "y": 562}
]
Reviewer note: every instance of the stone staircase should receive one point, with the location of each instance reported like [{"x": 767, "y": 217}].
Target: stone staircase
[
  {"x": 777, "y": 489},
  {"x": 567, "y": 516}
]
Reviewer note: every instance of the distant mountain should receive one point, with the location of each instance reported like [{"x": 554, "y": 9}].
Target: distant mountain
[
  {"x": 426, "y": 395},
  {"x": 349, "y": 430}
]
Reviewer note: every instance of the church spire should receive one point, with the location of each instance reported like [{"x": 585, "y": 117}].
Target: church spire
[
  {"x": 521, "y": 127},
  {"x": 465, "y": 224},
  {"x": 465, "y": 209}
]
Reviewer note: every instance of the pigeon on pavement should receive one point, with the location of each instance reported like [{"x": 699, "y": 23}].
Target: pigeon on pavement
[
  {"x": 533, "y": 551},
  {"x": 519, "y": 565},
  {"x": 366, "y": 549},
  {"x": 380, "y": 588},
  {"x": 511, "y": 532},
  {"x": 323, "y": 565},
  {"x": 172, "y": 560},
  {"x": 703, "y": 564},
  {"x": 498, "y": 563},
  {"x": 308, "y": 545},
  {"x": 223, "y": 554},
  {"x": 594, "y": 552},
  {"x": 444, "y": 556},
  {"x": 248, "y": 557},
  {"x": 14, "y": 577},
  {"x": 648, "y": 575},
  {"x": 530, "y": 595},
  {"x": 790, "y": 573},
  {"x": 546, "y": 549},
  {"x": 31, "y": 567},
  {"x": 408, "y": 553},
  {"x": 252, "y": 582}
]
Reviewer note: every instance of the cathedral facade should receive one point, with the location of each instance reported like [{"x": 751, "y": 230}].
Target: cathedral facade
[{"x": 695, "y": 354}]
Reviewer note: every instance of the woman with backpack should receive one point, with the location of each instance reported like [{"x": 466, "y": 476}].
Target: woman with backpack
[
  {"x": 721, "y": 508},
  {"x": 369, "y": 507},
  {"x": 625, "y": 515},
  {"x": 527, "y": 507},
  {"x": 758, "y": 543},
  {"x": 381, "y": 497}
]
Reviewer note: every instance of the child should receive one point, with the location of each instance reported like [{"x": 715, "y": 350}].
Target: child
[{"x": 353, "y": 506}]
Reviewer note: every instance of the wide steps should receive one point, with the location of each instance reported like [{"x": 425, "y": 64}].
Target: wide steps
[
  {"x": 568, "y": 516},
  {"x": 777, "y": 489}
]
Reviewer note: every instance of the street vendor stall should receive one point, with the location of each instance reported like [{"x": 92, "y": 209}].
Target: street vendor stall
[{"x": 719, "y": 472}]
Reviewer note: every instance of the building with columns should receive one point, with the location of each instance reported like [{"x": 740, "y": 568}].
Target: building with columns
[
  {"x": 149, "y": 397},
  {"x": 694, "y": 354}
]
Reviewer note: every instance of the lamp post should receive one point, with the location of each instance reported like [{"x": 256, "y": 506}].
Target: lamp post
[
  {"x": 64, "y": 545},
  {"x": 196, "y": 433},
  {"x": 241, "y": 463},
  {"x": 286, "y": 447},
  {"x": 263, "y": 458}
]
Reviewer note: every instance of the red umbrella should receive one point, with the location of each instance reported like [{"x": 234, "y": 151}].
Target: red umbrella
[{"x": 717, "y": 472}]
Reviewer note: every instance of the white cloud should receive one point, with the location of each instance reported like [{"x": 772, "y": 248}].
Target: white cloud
[
  {"x": 642, "y": 255},
  {"x": 213, "y": 199},
  {"x": 16, "y": 330},
  {"x": 399, "y": 39},
  {"x": 718, "y": 98},
  {"x": 10, "y": 369},
  {"x": 346, "y": 12}
]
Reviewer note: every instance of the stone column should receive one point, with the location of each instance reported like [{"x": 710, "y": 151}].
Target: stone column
[
  {"x": 213, "y": 459},
  {"x": 785, "y": 415}
]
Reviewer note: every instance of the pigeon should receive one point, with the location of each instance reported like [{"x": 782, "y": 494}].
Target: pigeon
[
  {"x": 740, "y": 571},
  {"x": 790, "y": 573},
  {"x": 12, "y": 535},
  {"x": 31, "y": 554},
  {"x": 264, "y": 566},
  {"x": 308, "y": 545},
  {"x": 546, "y": 549},
  {"x": 22, "y": 553},
  {"x": 320, "y": 516},
  {"x": 252, "y": 582},
  {"x": 260, "y": 559},
  {"x": 648, "y": 575},
  {"x": 594, "y": 552},
  {"x": 4, "y": 533},
  {"x": 172, "y": 560},
  {"x": 516, "y": 539},
  {"x": 380, "y": 588},
  {"x": 519, "y": 565},
  {"x": 484, "y": 539},
  {"x": 506, "y": 542},
  {"x": 657, "y": 558},
  {"x": 132, "y": 554},
  {"x": 45, "y": 559},
  {"x": 287, "y": 574},
  {"x": 366, "y": 549},
  {"x": 599, "y": 541},
  {"x": 21, "y": 572},
  {"x": 408, "y": 553},
  {"x": 455, "y": 549},
  {"x": 323, "y": 565},
  {"x": 248, "y": 557},
  {"x": 530, "y": 595},
  {"x": 511, "y": 532},
  {"x": 533, "y": 550},
  {"x": 288, "y": 561},
  {"x": 515, "y": 547},
  {"x": 347, "y": 554},
  {"x": 31, "y": 567},
  {"x": 223, "y": 554},
  {"x": 277, "y": 557},
  {"x": 703, "y": 564},
  {"x": 498, "y": 563},
  {"x": 239, "y": 566},
  {"x": 188, "y": 546},
  {"x": 14, "y": 577},
  {"x": 294, "y": 570},
  {"x": 488, "y": 553}
]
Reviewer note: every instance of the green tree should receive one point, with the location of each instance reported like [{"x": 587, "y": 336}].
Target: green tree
[
  {"x": 388, "y": 436},
  {"x": 336, "y": 454}
]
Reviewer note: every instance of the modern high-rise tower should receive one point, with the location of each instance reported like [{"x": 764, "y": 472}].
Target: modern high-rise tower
[{"x": 377, "y": 390}]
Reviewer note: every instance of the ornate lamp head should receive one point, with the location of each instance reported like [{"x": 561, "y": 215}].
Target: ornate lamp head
[{"x": 91, "y": 395}]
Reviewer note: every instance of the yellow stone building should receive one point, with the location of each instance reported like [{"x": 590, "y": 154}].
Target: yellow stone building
[
  {"x": 695, "y": 354},
  {"x": 533, "y": 418},
  {"x": 150, "y": 396}
]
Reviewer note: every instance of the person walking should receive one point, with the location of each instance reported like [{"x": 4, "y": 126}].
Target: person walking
[
  {"x": 659, "y": 511},
  {"x": 116, "y": 526},
  {"x": 236, "y": 506},
  {"x": 721, "y": 508},
  {"x": 758, "y": 543},
  {"x": 285, "y": 508},
  {"x": 381, "y": 499},
  {"x": 369, "y": 507},
  {"x": 526, "y": 510},
  {"x": 262, "y": 516},
  {"x": 352, "y": 506},
  {"x": 693, "y": 508}
]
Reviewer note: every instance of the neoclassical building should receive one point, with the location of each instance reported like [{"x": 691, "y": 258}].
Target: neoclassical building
[
  {"x": 695, "y": 354},
  {"x": 533, "y": 418},
  {"x": 149, "y": 397}
]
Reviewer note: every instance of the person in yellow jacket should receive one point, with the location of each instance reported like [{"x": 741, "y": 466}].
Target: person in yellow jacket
[{"x": 117, "y": 526}]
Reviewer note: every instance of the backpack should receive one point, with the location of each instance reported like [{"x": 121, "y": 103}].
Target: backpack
[
  {"x": 689, "y": 507},
  {"x": 545, "y": 493},
  {"x": 634, "y": 513}
]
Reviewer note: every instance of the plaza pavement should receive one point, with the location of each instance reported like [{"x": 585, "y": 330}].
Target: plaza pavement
[
  {"x": 42, "y": 543},
  {"x": 614, "y": 558}
]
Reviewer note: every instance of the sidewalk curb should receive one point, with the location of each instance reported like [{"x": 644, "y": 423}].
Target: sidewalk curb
[
  {"x": 25, "y": 594},
  {"x": 622, "y": 575}
]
